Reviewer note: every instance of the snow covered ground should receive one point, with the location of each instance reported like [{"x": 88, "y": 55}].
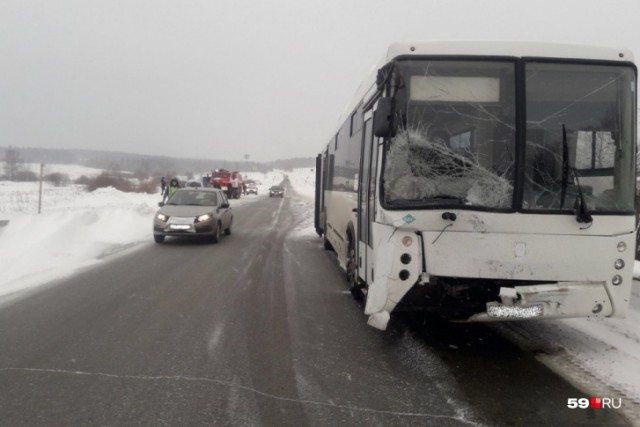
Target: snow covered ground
[{"x": 77, "y": 229}]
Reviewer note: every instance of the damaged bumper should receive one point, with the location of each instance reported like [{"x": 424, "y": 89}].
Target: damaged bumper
[{"x": 568, "y": 299}]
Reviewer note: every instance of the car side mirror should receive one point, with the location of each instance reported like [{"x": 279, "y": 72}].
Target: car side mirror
[
  {"x": 384, "y": 118},
  {"x": 224, "y": 205},
  {"x": 161, "y": 204}
]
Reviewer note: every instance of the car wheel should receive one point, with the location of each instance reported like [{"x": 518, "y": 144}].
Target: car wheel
[
  {"x": 227, "y": 230},
  {"x": 216, "y": 237},
  {"x": 158, "y": 238}
]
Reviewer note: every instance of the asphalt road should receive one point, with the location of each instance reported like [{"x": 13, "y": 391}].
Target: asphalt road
[{"x": 256, "y": 330}]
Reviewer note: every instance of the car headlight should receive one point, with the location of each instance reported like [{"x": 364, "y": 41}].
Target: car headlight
[
  {"x": 162, "y": 217},
  {"x": 203, "y": 218}
]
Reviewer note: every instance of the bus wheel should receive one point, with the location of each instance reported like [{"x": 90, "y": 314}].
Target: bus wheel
[
  {"x": 326, "y": 243},
  {"x": 352, "y": 274}
]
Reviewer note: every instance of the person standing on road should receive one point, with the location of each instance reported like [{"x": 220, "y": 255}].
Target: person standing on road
[
  {"x": 163, "y": 188},
  {"x": 172, "y": 188}
]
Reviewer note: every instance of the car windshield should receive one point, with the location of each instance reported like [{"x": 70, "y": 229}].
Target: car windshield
[
  {"x": 193, "y": 198},
  {"x": 276, "y": 188}
]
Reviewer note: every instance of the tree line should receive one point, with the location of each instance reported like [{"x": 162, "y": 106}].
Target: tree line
[{"x": 137, "y": 164}]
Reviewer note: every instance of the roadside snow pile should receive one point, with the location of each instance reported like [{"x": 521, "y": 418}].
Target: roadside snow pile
[
  {"x": 77, "y": 232},
  {"x": 303, "y": 181}
]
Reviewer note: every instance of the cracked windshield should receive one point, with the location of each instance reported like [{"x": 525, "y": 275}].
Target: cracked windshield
[
  {"x": 579, "y": 125},
  {"x": 457, "y": 139},
  {"x": 456, "y": 143}
]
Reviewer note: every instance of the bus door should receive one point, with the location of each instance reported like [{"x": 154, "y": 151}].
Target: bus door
[
  {"x": 366, "y": 202},
  {"x": 318, "y": 196}
]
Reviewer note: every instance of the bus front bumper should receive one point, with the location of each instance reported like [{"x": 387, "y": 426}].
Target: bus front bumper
[{"x": 565, "y": 299}]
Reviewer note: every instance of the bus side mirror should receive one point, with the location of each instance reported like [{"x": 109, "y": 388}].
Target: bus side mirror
[{"x": 384, "y": 118}]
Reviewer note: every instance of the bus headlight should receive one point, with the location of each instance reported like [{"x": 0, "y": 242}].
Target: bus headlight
[
  {"x": 619, "y": 264},
  {"x": 622, "y": 246},
  {"x": 407, "y": 241},
  {"x": 617, "y": 279}
]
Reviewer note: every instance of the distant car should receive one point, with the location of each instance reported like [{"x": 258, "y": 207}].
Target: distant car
[
  {"x": 194, "y": 184},
  {"x": 252, "y": 188},
  {"x": 194, "y": 212},
  {"x": 276, "y": 191}
]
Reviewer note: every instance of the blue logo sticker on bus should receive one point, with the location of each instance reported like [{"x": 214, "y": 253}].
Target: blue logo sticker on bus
[{"x": 408, "y": 218}]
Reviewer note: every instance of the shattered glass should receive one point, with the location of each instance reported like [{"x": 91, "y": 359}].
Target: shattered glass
[
  {"x": 456, "y": 136},
  {"x": 457, "y": 139},
  {"x": 420, "y": 170}
]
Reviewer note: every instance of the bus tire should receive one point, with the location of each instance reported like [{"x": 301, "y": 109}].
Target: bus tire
[
  {"x": 326, "y": 244},
  {"x": 352, "y": 271}
]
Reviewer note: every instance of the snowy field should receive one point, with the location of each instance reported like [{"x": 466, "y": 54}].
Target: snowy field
[{"x": 77, "y": 229}]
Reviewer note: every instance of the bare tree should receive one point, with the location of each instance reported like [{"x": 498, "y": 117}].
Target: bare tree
[{"x": 12, "y": 163}]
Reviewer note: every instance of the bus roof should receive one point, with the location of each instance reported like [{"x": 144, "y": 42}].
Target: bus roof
[
  {"x": 508, "y": 48},
  {"x": 516, "y": 49}
]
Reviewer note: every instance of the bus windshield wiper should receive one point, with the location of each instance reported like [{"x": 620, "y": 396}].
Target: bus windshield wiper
[{"x": 582, "y": 215}]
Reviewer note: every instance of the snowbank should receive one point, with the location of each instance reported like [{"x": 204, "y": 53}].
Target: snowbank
[
  {"x": 303, "y": 181},
  {"x": 74, "y": 229}
]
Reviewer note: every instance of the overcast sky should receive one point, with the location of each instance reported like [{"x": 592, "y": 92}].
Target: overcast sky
[{"x": 221, "y": 79}]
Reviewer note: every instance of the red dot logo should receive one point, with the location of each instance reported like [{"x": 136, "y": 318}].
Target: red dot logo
[{"x": 595, "y": 403}]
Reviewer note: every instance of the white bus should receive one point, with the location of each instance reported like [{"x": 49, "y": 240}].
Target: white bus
[{"x": 486, "y": 181}]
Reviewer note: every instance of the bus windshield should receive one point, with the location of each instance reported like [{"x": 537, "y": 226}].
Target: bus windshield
[
  {"x": 456, "y": 142},
  {"x": 579, "y": 137}
]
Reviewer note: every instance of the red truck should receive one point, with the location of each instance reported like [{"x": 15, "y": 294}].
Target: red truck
[{"x": 229, "y": 182}]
